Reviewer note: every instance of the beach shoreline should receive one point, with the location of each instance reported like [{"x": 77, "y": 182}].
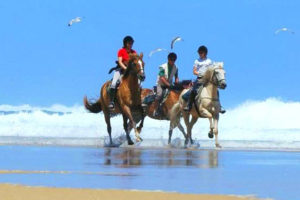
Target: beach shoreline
[
  {"x": 18, "y": 192},
  {"x": 177, "y": 171}
]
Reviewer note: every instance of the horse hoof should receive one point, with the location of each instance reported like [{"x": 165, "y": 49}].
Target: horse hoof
[
  {"x": 218, "y": 146},
  {"x": 130, "y": 142},
  {"x": 210, "y": 135}
]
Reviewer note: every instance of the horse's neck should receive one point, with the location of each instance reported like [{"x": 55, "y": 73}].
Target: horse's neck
[
  {"x": 132, "y": 87},
  {"x": 210, "y": 91}
]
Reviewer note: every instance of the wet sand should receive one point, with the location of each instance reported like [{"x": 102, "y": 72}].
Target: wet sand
[
  {"x": 19, "y": 192},
  {"x": 261, "y": 174}
]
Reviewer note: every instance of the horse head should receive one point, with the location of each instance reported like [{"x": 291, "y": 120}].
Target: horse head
[
  {"x": 136, "y": 66},
  {"x": 216, "y": 74}
]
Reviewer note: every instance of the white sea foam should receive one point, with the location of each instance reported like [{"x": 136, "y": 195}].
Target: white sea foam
[{"x": 259, "y": 124}]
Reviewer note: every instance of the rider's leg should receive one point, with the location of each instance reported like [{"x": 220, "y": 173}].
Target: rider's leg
[
  {"x": 113, "y": 89},
  {"x": 193, "y": 94},
  {"x": 189, "y": 105}
]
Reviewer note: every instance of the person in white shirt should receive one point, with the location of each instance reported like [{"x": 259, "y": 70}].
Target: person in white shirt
[{"x": 200, "y": 66}]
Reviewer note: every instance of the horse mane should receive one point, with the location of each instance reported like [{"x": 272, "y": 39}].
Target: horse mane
[
  {"x": 130, "y": 65},
  {"x": 208, "y": 73}
]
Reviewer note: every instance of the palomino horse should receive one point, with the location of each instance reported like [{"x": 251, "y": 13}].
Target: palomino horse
[
  {"x": 128, "y": 98},
  {"x": 171, "y": 99},
  {"x": 206, "y": 104}
]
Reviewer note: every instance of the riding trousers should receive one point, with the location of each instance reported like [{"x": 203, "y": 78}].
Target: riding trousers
[
  {"x": 116, "y": 78},
  {"x": 159, "y": 92},
  {"x": 196, "y": 85}
]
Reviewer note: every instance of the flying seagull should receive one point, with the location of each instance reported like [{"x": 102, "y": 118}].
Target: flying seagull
[
  {"x": 156, "y": 50},
  {"x": 75, "y": 20},
  {"x": 176, "y": 39},
  {"x": 284, "y": 29}
]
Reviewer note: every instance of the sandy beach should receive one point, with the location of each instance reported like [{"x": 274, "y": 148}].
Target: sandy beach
[{"x": 18, "y": 192}]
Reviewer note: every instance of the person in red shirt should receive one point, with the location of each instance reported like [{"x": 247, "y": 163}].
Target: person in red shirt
[{"x": 123, "y": 58}]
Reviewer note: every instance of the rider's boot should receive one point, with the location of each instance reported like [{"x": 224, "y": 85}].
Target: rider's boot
[
  {"x": 190, "y": 101},
  {"x": 157, "y": 106},
  {"x": 112, "y": 95},
  {"x": 222, "y": 110}
]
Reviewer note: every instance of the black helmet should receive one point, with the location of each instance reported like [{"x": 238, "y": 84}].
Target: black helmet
[
  {"x": 172, "y": 56},
  {"x": 202, "y": 49},
  {"x": 127, "y": 39}
]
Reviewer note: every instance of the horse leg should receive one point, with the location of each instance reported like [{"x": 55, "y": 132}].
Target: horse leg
[
  {"x": 211, "y": 127},
  {"x": 216, "y": 132},
  {"x": 180, "y": 127},
  {"x": 141, "y": 123},
  {"x": 126, "y": 128},
  {"x": 170, "y": 136},
  {"x": 107, "y": 120},
  {"x": 186, "y": 117},
  {"x": 127, "y": 113},
  {"x": 193, "y": 121},
  {"x": 174, "y": 116},
  {"x": 171, "y": 127}
]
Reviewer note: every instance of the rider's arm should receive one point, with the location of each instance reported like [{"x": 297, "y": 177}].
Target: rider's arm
[
  {"x": 121, "y": 63},
  {"x": 162, "y": 77},
  {"x": 164, "y": 81},
  {"x": 176, "y": 77},
  {"x": 195, "y": 71}
]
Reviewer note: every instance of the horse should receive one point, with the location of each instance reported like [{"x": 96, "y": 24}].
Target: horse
[
  {"x": 169, "y": 101},
  {"x": 206, "y": 104},
  {"x": 128, "y": 99}
]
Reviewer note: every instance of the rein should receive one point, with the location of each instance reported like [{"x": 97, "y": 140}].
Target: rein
[{"x": 213, "y": 99}]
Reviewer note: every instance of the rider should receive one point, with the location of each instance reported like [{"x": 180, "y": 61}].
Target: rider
[
  {"x": 123, "y": 58},
  {"x": 200, "y": 66},
  {"x": 164, "y": 80}
]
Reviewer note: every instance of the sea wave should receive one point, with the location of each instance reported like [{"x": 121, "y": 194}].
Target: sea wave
[{"x": 252, "y": 122}]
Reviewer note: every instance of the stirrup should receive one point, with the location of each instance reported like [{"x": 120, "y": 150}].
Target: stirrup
[{"x": 187, "y": 108}]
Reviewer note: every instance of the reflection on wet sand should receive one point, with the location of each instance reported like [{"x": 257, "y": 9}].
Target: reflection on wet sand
[{"x": 135, "y": 157}]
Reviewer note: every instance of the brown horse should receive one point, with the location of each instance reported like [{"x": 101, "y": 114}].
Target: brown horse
[
  {"x": 128, "y": 99},
  {"x": 168, "y": 103}
]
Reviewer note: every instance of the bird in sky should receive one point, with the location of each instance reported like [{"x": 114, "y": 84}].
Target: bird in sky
[
  {"x": 284, "y": 29},
  {"x": 75, "y": 20},
  {"x": 176, "y": 39},
  {"x": 156, "y": 50}
]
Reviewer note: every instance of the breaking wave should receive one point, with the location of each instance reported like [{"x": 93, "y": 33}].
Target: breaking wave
[{"x": 271, "y": 123}]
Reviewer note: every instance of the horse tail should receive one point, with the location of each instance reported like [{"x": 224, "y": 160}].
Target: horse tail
[{"x": 92, "y": 107}]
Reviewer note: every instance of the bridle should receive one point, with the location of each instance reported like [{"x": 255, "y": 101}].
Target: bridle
[{"x": 215, "y": 80}]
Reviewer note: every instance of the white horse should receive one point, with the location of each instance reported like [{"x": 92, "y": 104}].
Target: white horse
[{"x": 206, "y": 104}]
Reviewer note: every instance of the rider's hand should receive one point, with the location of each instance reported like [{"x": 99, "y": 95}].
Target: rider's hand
[{"x": 172, "y": 87}]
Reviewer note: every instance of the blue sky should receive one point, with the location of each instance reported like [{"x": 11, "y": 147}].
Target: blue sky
[{"x": 45, "y": 62}]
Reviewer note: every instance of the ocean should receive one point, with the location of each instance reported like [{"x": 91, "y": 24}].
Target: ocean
[
  {"x": 268, "y": 124},
  {"x": 61, "y": 146}
]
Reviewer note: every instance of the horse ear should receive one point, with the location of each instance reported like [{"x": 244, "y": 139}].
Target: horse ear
[
  {"x": 141, "y": 55},
  {"x": 221, "y": 64}
]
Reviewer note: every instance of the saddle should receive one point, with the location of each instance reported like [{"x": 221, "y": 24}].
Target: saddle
[{"x": 150, "y": 98}]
